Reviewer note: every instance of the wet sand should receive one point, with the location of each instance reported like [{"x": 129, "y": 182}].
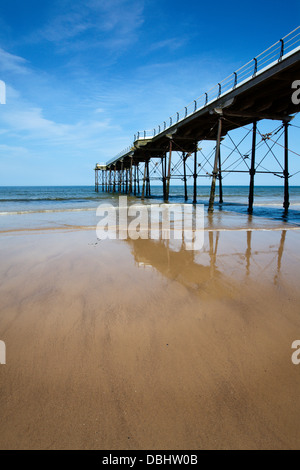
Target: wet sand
[{"x": 140, "y": 345}]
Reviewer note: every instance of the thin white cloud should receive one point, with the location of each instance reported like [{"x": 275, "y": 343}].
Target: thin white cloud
[
  {"x": 66, "y": 27},
  {"x": 12, "y": 63},
  {"x": 168, "y": 44},
  {"x": 12, "y": 150},
  {"x": 110, "y": 24},
  {"x": 31, "y": 123}
]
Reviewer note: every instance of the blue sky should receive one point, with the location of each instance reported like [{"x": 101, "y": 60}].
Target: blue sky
[{"x": 83, "y": 76}]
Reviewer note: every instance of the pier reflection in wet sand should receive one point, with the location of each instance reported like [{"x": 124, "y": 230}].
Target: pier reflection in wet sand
[{"x": 194, "y": 269}]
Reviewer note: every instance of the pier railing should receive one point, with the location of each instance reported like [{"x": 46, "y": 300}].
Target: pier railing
[{"x": 121, "y": 154}]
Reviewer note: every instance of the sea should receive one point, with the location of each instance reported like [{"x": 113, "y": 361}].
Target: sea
[{"x": 59, "y": 207}]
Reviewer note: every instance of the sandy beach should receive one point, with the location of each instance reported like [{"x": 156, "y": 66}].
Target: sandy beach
[
  {"x": 149, "y": 228},
  {"x": 142, "y": 345}
]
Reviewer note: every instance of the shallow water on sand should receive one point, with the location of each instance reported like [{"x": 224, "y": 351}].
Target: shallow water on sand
[{"x": 69, "y": 207}]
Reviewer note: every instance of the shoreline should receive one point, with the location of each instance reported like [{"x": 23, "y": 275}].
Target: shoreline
[
  {"x": 81, "y": 219},
  {"x": 87, "y": 228}
]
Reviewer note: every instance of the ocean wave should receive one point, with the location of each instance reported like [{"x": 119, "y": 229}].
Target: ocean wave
[
  {"x": 270, "y": 204},
  {"x": 50, "y": 199},
  {"x": 68, "y": 228},
  {"x": 81, "y": 209},
  {"x": 46, "y": 211},
  {"x": 137, "y": 206}
]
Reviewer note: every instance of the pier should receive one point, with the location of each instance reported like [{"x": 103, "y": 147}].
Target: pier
[{"x": 263, "y": 89}]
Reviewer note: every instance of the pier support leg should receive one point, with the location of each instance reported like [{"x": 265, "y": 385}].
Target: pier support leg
[
  {"x": 135, "y": 171},
  {"x": 169, "y": 171},
  {"x": 144, "y": 182},
  {"x": 126, "y": 171},
  {"x": 106, "y": 180},
  {"x": 138, "y": 177},
  {"x": 184, "y": 176},
  {"x": 163, "y": 172},
  {"x": 286, "y": 203},
  {"x": 252, "y": 170},
  {"x": 130, "y": 177},
  {"x": 148, "y": 189},
  {"x": 114, "y": 187},
  {"x": 103, "y": 181},
  {"x": 220, "y": 180},
  {"x": 110, "y": 180},
  {"x": 121, "y": 177},
  {"x": 215, "y": 170},
  {"x": 96, "y": 181},
  {"x": 195, "y": 177},
  {"x": 147, "y": 179}
]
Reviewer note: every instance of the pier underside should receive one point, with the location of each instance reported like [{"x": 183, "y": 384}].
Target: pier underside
[{"x": 269, "y": 94}]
